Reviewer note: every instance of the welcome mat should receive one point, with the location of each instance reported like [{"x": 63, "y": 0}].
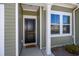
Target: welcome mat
[{"x": 30, "y": 46}]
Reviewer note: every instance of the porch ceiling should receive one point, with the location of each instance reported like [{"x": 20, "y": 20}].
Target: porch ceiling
[
  {"x": 30, "y": 7},
  {"x": 34, "y": 6},
  {"x": 67, "y": 5}
]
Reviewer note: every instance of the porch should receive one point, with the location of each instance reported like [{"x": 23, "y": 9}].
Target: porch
[{"x": 53, "y": 33}]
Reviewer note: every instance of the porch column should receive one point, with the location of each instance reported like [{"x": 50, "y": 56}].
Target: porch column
[{"x": 48, "y": 29}]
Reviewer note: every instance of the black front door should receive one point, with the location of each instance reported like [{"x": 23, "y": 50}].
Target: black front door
[{"x": 29, "y": 30}]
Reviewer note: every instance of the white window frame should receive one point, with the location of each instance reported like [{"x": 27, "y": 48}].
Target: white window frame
[{"x": 60, "y": 13}]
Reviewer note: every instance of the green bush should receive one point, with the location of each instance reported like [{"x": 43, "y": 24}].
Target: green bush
[{"x": 74, "y": 49}]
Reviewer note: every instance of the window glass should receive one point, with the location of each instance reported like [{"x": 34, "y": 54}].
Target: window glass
[
  {"x": 55, "y": 29},
  {"x": 55, "y": 19},
  {"x": 66, "y": 19},
  {"x": 66, "y": 28}
]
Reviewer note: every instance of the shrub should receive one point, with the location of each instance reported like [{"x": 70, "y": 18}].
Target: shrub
[{"x": 74, "y": 49}]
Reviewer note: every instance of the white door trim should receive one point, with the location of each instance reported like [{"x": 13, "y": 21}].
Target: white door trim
[
  {"x": 2, "y": 52},
  {"x": 31, "y": 17}
]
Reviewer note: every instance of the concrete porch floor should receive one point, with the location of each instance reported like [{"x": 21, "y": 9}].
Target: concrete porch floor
[{"x": 35, "y": 51}]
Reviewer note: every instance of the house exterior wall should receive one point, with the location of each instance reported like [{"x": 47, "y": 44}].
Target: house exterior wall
[
  {"x": 64, "y": 9},
  {"x": 10, "y": 38},
  {"x": 38, "y": 27},
  {"x": 77, "y": 27},
  {"x": 20, "y": 27},
  {"x": 57, "y": 41},
  {"x": 26, "y": 12},
  {"x": 43, "y": 29}
]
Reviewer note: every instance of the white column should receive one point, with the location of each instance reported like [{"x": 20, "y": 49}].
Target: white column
[
  {"x": 40, "y": 27},
  {"x": 48, "y": 29}
]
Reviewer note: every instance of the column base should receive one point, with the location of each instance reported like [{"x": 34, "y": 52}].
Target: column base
[{"x": 49, "y": 53}]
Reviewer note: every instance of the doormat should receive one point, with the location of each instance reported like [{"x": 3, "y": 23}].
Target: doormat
[{"x": 30, "y": 46}]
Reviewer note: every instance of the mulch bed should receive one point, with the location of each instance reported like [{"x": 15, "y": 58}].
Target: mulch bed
[{"x": 60, "y": 51}]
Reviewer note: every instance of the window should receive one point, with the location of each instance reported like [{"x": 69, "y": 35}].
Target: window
[
  {"x": 66, "y": 24},
  {"x": 61, "y": 23},
  {"x": 55, "y": 21}
]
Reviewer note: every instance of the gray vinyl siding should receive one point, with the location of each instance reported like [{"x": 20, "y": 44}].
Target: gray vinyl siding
[
  {"x": 57, "y": 41},
  {"x": 44, "y": 29},
  {"x": 20, "y": 27},
  {"x": 61, "y": 41},
  {"x": 59, "y": 8},
  {"x": 10, "y": 39},
  {"x": 38, "y": 27},
  {"x": 27, "y": 12},
  {"x": 77, "y": 27}
]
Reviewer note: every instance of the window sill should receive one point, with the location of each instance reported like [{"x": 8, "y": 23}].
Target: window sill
[{"x": 63, "y": 35}]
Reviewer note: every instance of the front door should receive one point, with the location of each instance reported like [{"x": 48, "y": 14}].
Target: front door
[{"x": 29, "y": 30}]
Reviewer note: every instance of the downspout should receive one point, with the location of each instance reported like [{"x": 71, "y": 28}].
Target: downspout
[{"x": 74, "y": 25}]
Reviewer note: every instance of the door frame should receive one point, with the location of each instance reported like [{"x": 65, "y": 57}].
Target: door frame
[{"x": 31, "y": 17}]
